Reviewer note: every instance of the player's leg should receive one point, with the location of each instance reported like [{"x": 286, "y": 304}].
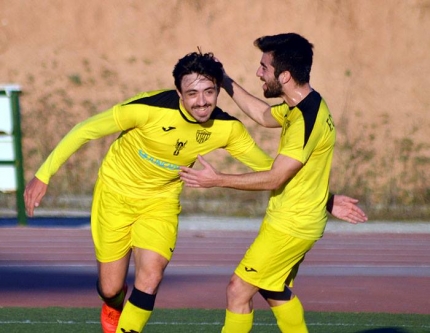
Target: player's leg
[
  {"x": 112, "y": 290},
  {"x": 272, "y": 261},
  {"x": 149, "y": 267},
  {"x": 112, "y": 276},
  {"x": 111, "y": 233},
  {"x": 286, "y": 306},
  {"x": 290, "y": 316},
  {"x": 287, "y": 309},
  {"x": 154, "y": 240},
  {"x": 239, "y": 314}
]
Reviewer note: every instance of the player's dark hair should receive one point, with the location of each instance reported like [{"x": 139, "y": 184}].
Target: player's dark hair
[
  {"x": 291, "y": 52},
  {"x": 200, "y": 63}
]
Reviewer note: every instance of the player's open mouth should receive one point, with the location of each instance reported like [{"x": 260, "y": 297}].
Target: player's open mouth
[{"x": 203, "y": 109}]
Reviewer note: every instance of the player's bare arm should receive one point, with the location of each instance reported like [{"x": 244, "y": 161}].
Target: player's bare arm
[
  {"x": 255, "y": 108},
  {"x": 283, "y": 168},
  {"x": 344, "y": 208}
]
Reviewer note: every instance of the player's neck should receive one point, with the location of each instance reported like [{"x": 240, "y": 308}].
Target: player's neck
[{"x": 297, "y": 94}]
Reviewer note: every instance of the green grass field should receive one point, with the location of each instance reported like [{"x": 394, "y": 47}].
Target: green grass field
[{"x": 64, "y": 320}]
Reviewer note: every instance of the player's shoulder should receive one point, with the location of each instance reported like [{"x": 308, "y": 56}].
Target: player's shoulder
[
  {"x": 219, "y": 114},
  {"x": 166, "y": 98},
  {"x": 311, "y": 103}
]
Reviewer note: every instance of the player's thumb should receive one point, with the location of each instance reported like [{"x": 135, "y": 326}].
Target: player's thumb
[{"x": 202, "y": 161}]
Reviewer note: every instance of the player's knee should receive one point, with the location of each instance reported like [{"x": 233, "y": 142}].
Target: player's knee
[
  {"x": 148, "y": 282},
  {"x": 233, "y": 288},
  {"x": 107, "y": 290},
  {"x": 236, "y": 288}
]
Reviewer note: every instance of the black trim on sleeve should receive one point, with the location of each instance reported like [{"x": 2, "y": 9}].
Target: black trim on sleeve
[{"x": 330, "y": 202}]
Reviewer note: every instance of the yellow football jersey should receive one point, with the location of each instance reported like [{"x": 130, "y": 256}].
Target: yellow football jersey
[
  {"x": 157, "y": 137},
  {"x": 308, "y": 135}
]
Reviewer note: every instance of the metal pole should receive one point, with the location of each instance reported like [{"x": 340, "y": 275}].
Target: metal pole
[{"x": 19, "y": 161}]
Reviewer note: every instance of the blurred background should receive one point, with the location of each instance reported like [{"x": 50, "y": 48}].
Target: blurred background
[{"x": 73, "y": 59}]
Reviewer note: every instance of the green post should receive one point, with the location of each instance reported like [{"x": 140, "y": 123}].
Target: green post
[
  {"x": 19, "y": 161},
  {"x": 13, "y": 121}
]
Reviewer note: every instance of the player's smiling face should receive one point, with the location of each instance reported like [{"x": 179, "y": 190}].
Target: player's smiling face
[
  {"x": 199, "y": 96},
  {"x": 266, "y": 72}
]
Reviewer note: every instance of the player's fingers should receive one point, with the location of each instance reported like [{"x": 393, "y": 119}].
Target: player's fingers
[
  {"x": 351, "y": 200},
  {"x": 203, "y": 161},
  {"x": 38, "y": 199},
  {"x": 357, "y": 210},
  {"x": 352, "y": 219},
  {"x": 188, "y": 175},
  {"x": 29, "y": 206},
  {"x": 194, "y": 185},
  {"x": 358, "y": 218},
  {"x": 184, "y": 169}
]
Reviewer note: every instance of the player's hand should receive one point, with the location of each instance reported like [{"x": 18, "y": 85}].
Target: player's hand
[
  {"x": 227, "y": 82},
  {"x": 345, "y": 208},
  {"x": 33, "y": 194},
  {"x": 204, "y": 178}
]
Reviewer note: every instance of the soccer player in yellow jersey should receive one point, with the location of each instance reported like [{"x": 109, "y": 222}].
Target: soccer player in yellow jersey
[
  {"x": 136, "y": 197},
  {"x": 299, "y": 180}
]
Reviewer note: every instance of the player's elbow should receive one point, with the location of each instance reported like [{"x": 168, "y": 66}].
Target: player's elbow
[
  {"x": 276, "y": 184},
  {"x": 279, "y": 180}
]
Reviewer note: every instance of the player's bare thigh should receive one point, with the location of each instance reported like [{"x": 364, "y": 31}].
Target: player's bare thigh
[
  {"x": 112, "y": 275},
  {"x": 149, "y": 267}
]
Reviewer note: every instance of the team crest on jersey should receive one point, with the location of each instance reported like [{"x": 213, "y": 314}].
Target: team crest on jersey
[
  {"x": 179, "y": 146},
  {"x": 202, "y": 136}
]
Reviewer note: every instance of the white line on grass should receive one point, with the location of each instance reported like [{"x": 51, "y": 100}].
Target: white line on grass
[{"x": 165, "y": 323}]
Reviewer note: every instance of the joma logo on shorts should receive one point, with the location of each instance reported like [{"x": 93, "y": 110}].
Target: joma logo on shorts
[
  {"x": 132, "y": 331},
  {"x": 250, "y": 269}
]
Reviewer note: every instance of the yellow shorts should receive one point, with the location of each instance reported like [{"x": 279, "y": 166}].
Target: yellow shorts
[
  {"x": 272, "y": 261},
  {"x": 119, "y": 223}
]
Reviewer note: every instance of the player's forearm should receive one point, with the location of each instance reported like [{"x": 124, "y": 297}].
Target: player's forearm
[
  {"x": 252, "y": 106},
  {"x": 93, "y": 128},
  {"x": 256, "y": 159},
  {"x": 283, "y": 169},
  {"x": 254, "y": 181},
  {"x": 61, "y": 153}
]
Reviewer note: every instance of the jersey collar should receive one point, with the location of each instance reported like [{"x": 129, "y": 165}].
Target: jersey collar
[{"x": 185, "y": 114}]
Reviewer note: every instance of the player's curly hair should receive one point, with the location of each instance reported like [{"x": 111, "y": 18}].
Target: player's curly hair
[{"x": 200, "y": 63}]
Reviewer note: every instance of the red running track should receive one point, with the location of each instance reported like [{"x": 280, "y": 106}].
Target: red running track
[{"x": 349, "y": 272}]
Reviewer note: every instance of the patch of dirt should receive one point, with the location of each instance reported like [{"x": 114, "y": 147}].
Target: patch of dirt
[{"x": 371, "y": 64}]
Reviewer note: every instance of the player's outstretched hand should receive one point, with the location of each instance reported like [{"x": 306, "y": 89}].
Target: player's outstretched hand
[
  {"x": 33, "y": 194},
  {"x": 345, "y": 208},
  {"x": 204, "y": 178}
]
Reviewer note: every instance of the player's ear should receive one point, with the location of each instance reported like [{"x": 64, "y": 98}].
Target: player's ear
[
  {"x": 284, "y": 77},
  {"x": 179, "y": 94}
]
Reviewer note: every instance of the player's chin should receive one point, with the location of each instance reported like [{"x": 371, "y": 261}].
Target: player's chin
[{"x": 203, "y": 119}]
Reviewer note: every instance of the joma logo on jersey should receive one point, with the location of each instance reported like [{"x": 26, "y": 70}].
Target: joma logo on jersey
[
  {"x": 330, "y": 122},
  {"x": 179, "y": 146},
  {"x": 287, "y": 124},
  {"x": 202, "y": 136}
]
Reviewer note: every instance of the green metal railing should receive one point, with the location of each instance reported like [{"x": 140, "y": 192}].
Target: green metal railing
[{"x": 11, "y": 92}]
